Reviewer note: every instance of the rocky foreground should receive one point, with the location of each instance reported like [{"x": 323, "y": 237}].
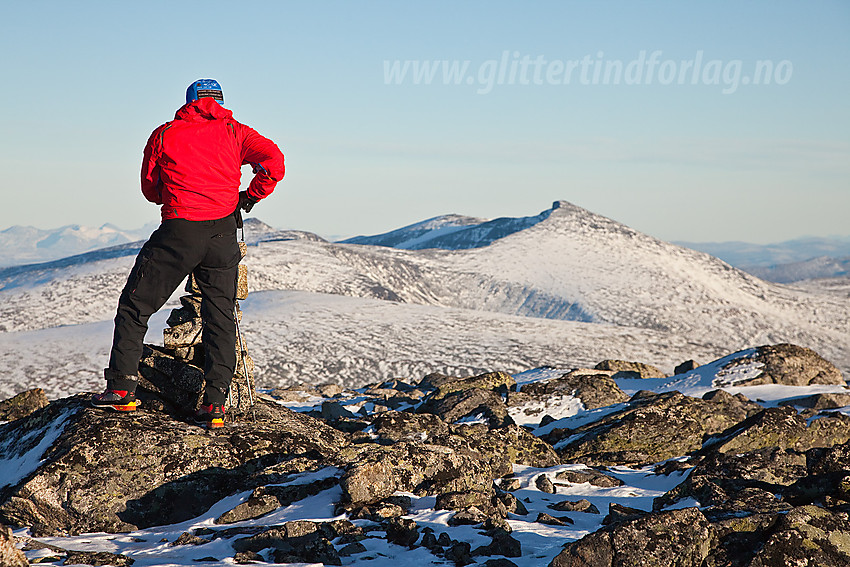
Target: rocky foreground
[{"x": 751, "y": 486}]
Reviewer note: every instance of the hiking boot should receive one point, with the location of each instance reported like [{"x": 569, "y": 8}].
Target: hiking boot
[
  {"x": 210, "y": 416},
  {"x": 117, "y": 400}
]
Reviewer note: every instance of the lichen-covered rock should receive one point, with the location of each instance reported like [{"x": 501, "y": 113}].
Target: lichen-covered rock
[
  {"x": 10, "y": 556},
  {"x": 266, "y": 499},
  {"x": 650, "y": 429},
  {"x": 679, "y": 538},
  {"x": 404, "y": 426},
  {"x": 472, "y": 402},
  {"x": 808, "y": 535},
  {"x": 729, "y": 484},
  {"x": 118, "y": 472},
  {"x": 786, "y": 364},
  {"x": 379, "y": 471},
  {"x": 297, "y": 541},
  {"x": 22, "y": 404},
  {"x": 445, "y": 385},
  {"x": 504, "y": 447},
  {"x": 591, "y": 476},
  {"x": 637, "y": 369},
  {"x": 595, "y": 388},
  {"x": 795, "y": 366},
  {"x": 782, "y": 427}
]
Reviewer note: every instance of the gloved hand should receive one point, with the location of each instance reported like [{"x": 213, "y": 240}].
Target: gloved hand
[{"x": 246, "y": 203}]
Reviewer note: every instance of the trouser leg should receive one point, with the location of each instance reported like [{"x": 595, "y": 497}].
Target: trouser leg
[
  {"x": 216, "y": 276},
  {"x": 165, "y": 259}
]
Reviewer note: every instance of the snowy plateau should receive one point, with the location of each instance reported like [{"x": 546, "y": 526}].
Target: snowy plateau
[
  {"x": 566, "y": 288},
  {"x": 534, "y": 297}
]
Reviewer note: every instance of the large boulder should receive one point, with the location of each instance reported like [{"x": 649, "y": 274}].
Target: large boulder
[
  {"x": 786, "y": 364},
  {"x": 379, "y": 471},
  {"x": 595, "y": 389},
  {"x": 808, "y": 535},
  {"x": 679, "y": 538},
  {"x": 734, "y": 484},
  {"x": 783, "y": 427},
  {"x": 650, "y": 429},
  {"x": 99, "y": 471}
]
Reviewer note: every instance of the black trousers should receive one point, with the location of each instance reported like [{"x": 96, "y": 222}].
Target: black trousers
[{"x": 177, "y": 248}]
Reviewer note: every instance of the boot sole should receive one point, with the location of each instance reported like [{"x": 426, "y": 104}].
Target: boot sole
[
  {"x": 115, "y": 407},
  {"x": 212, "y": 424}
]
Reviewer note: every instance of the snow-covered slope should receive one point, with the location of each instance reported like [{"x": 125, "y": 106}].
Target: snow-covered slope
[{"x": 647, "y": 300}]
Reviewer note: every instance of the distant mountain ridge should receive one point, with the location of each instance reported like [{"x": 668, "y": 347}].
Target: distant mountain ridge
[
  {"x": 744, "y": 254},
  {"x": 29, "y": 245},
  {"x": 451, "y": 232}
]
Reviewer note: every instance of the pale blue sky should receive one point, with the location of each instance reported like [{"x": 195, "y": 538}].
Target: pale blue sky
[{"x": 84, "y": 84}]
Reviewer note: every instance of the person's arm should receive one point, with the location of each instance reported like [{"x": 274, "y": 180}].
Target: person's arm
[
  {"x": 267, "y": 162},
  {"x": 151, "y": 181}
]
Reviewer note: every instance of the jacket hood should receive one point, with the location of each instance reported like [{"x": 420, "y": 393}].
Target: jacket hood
[{"x": 204, "y": 108}]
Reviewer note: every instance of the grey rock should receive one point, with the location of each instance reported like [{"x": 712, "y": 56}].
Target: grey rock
[
  {"x": 595, "y": 388},
  {"x": 543, "y": 484},
  {"x": 22, "y": 404},
  {"x": 575, "y": 506},
  {"x": 685, "y": 367},
  {"x": 731, "y": 484},
  {"x": 455, "y": 405},
  {"x": 819, "y": 401},
  {"x": 502, "y": 543},
  {"x": 650, "y": 429},
  {"x": 550, "y": 520},
  {"x": 591, "y": 476},
  {"x": 402, "y": 531},
  {"x": 679, "y": 538},
  {"x": 808, "y": 535},
  {"x": 639, "y": 369},
  {"x": 618, "y": 513}
]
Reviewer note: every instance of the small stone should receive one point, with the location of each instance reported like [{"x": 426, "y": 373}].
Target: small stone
[
  {"x": 352, "y": 549},
  {"x": 577, "y": 506},
  {"x": 543, "y": 484},
  {"x": 549, "y": 520}
]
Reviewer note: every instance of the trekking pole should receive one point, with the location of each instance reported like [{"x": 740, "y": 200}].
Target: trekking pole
[{"x": 243, "y": 352}]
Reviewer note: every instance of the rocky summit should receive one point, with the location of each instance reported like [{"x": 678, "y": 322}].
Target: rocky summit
[{"x": 564, "y": 468}]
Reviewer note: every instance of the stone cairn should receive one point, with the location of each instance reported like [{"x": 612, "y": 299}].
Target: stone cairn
[{"x": 172, "y": 376}]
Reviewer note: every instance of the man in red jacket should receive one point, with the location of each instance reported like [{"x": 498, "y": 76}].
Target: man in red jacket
[{"x": 191, "y": 167}]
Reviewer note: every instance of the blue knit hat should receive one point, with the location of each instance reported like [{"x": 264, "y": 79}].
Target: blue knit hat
[{"x": 202, "y": 88}]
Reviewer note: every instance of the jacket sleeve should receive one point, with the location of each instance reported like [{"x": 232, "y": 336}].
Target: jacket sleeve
[
  {"x": 151, "y": 182},
  {"x": 267, "y": 160}
]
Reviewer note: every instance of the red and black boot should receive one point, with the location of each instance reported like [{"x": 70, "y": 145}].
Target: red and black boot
[
  {"x": 120, "y": 394},
  {"x": 116, "y": 400},
  {"x": 210, "y": 416}
]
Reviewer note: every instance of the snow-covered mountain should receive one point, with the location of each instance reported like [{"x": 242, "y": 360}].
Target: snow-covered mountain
[
  {"x": 28, "y": 245},
  {"x": 450, "y": 232},
  {"x": 570, "y": 288}
]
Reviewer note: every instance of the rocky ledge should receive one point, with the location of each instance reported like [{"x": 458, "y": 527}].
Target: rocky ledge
[{"x": 502, "y": 465}]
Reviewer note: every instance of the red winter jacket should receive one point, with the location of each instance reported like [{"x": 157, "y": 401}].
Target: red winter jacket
[{"x": 192, "y": 165}]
